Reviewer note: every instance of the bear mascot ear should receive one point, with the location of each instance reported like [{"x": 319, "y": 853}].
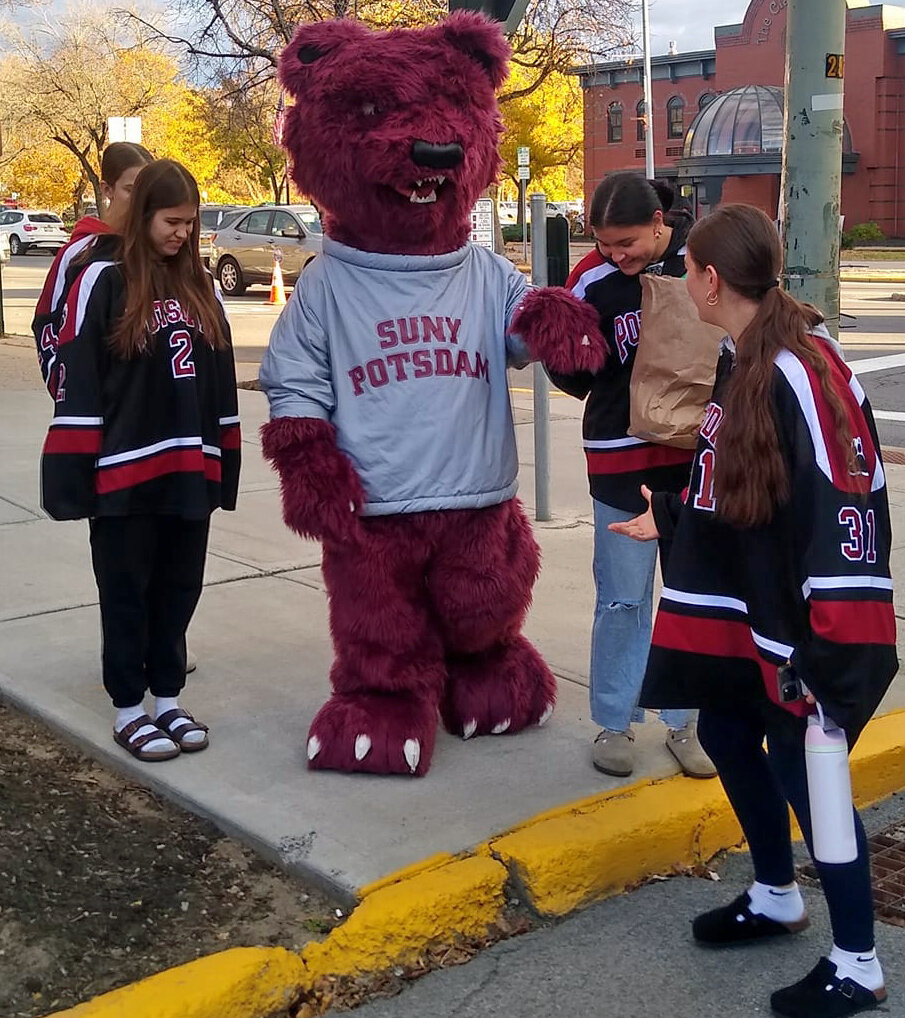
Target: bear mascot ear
[
  {"x": 311, "y": 44},
  {"x": 481, "y": 39}
]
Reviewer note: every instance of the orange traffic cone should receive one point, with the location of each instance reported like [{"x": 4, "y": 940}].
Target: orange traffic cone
[{"x": 277, "y": 290}]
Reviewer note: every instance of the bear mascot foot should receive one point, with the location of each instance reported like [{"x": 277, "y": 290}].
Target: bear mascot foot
[
  {"x": 560, "y": 330},
  {"x": 505, "y": 689},
  {"x": 373, "y": 733}
]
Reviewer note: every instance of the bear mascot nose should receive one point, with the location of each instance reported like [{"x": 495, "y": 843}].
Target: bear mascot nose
[{"x": 437, "y": 157}]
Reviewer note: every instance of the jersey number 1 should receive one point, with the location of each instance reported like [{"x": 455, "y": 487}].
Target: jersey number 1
[
  {"x": 183, "y": 365},
  {"x": 703, "y": 498}
]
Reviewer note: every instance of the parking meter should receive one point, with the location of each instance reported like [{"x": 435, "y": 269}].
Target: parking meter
[{"x": 557, "y": 250}]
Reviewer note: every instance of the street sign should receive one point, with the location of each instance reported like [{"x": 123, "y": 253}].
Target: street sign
[
  {"x": 524, "y": 155},
  {"x": 482, "y": 223},
  {"x": 524, "y": 173},
  {"x": 124, "y": 129}
]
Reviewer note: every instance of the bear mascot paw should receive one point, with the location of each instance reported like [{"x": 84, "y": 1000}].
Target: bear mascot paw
[{"x": 391, "y": 426}]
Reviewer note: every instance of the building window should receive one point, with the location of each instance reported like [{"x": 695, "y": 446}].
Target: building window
[
  {"x": 705, "y": 100},
  {"x": 675, "y": 111},
  {"x": 641, "y": 117},
  {"x": 614, "y": 122}
]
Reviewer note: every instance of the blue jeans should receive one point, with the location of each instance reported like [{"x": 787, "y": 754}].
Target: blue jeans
[{"x": 620, "y": 639}]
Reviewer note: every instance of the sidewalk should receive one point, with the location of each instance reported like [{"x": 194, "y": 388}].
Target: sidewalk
[{"x": 262, "y": 641}]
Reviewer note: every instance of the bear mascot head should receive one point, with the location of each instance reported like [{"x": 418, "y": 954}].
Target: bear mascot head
[{"x": 395, "y": 134}]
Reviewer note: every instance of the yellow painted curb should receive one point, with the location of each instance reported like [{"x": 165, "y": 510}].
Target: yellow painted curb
[
  {"x": 398, "y": 921},
  {"x": 868, "y": 276},
  {"x": 562, "y": 859},
  {"x": 245, "y": 982}
]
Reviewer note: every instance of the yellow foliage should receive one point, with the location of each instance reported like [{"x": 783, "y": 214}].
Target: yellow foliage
[
  {"x": 45, "y": 176},
  {"x": 549, "y": 122}
]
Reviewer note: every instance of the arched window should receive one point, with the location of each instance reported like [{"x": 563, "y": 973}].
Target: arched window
[
  {"x": 641, "y": 117},
  {"x": 614, "y": 122},
  {"x": 705, "y": 100},
  {"x": 675, "y": 114}
]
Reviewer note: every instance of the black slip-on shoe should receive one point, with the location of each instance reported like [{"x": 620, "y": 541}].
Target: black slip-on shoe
[
  {"x": 735, "y": 923},
  {"x": 821, "y": 994}
]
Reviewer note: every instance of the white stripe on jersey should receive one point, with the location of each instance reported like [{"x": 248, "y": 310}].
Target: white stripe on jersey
[
  {"x": 79, "y": 422},
  {"x": 845, "y": 583},
  {"x": 612, "y": 443},
  {"x": 149, "y": 450},
  {"x": 229, "y": 420},
  {"x": 797, "y": 377},
  {"x": 74, "y": 248},
  {"x": 210, "y": 450},
  {"x": 782, "y": 650},
  {"x": 705, "y": 600},
  {"x": 86, "y": 284},
  {"x": 591, "y": 276}
]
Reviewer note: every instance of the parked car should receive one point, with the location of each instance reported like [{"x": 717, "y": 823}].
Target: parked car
[
  {"x": 242, "y": 251},
  {"x": 214, "y": 218},
  {"x": 27, "y": 228},
  {"x": 4, "y": 248}
]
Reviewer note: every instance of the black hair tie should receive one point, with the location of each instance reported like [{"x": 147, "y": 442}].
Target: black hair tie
[{"x": 772, "y": 283}]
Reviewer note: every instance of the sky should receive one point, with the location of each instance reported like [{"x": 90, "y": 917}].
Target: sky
[{"x": 690, "y": 22}]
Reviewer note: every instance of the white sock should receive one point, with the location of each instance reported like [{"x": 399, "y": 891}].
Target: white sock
[
  {"x": 782, "y": 904},
  {"x": 126, "y": 715},
  {"x": 861, "y": 967},
  {"x": 164, "y": 703}
]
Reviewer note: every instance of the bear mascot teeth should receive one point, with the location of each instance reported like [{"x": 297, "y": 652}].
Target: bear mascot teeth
[{"x": 391, "y": 427}]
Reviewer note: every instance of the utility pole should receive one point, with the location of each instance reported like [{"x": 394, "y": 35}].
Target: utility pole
[
  {"x": 541, "y": 382},
  {"x": 812, "y": 153},
  {"x": 648, "y": 97}
]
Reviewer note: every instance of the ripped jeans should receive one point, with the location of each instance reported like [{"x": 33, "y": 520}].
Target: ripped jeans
[{"x": 620, "y": 639}]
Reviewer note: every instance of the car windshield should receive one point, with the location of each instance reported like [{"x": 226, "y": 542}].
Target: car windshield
[
  {"x": 44, "y": 217},
  {"x": 310, "y": 219},
  {"x": 229, "y": 218}
]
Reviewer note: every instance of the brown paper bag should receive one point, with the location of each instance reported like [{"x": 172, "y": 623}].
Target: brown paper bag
[{"x": 672, "y": 377}]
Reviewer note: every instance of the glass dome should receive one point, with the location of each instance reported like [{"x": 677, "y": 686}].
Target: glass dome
[{"x": 746, "y": 121}]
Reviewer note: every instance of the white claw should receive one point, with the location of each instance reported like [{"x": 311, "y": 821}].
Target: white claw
[
  {"x": 545, "y": 717},
  {"x": 362, "y": 746},
  {"x": 585, "y": 341},
  {"x": 314, "y": 747},
  {"x": 501, "y": 727},
  {"x": 470, "y": 729},
  {"x": 412, "y": 751}
]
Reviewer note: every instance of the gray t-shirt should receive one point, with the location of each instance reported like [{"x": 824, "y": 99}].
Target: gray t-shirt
[{"x": 406, "y": 356}]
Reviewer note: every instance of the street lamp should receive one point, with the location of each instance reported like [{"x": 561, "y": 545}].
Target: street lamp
[{"x": 648, "y": 99}]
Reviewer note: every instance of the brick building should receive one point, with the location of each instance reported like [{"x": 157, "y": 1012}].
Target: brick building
[{"x": 717, "y": 115}]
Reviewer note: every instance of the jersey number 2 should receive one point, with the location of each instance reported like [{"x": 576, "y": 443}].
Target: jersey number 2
[{"x": 183, "y": 365}]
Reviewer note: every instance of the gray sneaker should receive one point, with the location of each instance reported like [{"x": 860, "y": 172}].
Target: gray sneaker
[
  {"x": 614, "y": 753},
  {"x": 684, "y": 746},
  {"x": 191, "y": 661}
]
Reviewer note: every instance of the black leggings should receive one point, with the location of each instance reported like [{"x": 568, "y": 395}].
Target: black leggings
[{"x": 761, "y": 786}]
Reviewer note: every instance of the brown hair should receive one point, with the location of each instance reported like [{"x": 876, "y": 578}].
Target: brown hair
[
  {"x": 751, "y": 477},
  {"x": 121, "y": 156},
  {"x": 163, "y": 184}
]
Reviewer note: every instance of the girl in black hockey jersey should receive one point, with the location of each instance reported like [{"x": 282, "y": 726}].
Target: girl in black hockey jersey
[
  {"x": 777, "y": 593},
  {"x": 637, "y": 230},
  {"x": 144, "y": 444},
  {"x": 120, "y": 165}
]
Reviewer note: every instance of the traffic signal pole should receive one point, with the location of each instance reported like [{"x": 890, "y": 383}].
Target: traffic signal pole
[{"x": 811, "y": 188}]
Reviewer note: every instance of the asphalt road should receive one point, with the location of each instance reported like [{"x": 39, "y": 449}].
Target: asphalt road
[{"x": 873, "y": 331}]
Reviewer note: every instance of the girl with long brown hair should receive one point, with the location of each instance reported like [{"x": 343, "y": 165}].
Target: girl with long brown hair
[
  {"x": 777, "y": 598},
  {"x": 144, "y": 444}
]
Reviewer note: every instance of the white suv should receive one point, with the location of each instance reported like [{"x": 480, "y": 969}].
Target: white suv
[{"x": 26, "y": 229}]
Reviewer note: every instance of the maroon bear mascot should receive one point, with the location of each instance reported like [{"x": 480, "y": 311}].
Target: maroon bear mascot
[{"x": 391, "y": 425}]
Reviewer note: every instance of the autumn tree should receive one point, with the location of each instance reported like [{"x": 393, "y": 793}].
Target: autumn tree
[{"x": 68, "y": 76}]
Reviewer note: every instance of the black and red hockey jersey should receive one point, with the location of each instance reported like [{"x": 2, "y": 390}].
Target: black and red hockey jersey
[
  {"x": 157, "y": 433},
  {"x": 45, "y": 325},
  {"x": 813, "y": 586},
  {"x": 618, "y": 463}
]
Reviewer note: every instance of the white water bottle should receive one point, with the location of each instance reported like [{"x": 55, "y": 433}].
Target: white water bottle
[{"x": 829, "y": 791}]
